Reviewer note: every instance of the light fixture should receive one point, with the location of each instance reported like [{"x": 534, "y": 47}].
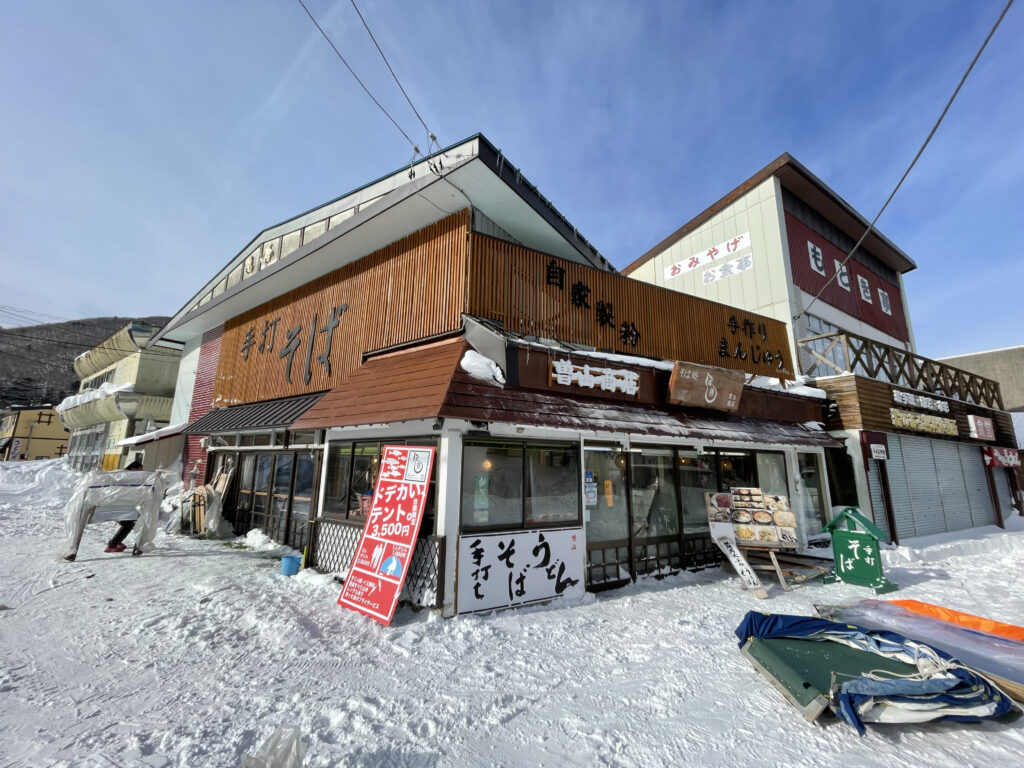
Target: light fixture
[
  {"x": 726, "y": 465},
  {"x": 685, "y": 461},
  {"x": 487, "y": 465},
  {"x": 620, "y": 460}
]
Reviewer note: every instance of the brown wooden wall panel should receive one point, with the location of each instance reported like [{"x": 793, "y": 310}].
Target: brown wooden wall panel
[
  {"x": 864, "y": 404},
  {"x": 510, "y": 285},
  {"x": 412, "y": 289}
]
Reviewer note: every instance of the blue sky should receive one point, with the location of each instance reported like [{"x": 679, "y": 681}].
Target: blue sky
[{"x": 153, "y": 140}]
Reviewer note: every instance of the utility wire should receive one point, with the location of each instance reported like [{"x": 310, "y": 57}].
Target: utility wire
[
  {"x": 912, "y": 164},
  {"x": 78, "y": 345},
  {"x": 430, "y": 136},
  {"x": 352, "y": 72}
]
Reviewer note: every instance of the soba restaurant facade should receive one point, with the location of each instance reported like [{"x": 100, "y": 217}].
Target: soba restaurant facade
[{"x": 579, "y": 417}]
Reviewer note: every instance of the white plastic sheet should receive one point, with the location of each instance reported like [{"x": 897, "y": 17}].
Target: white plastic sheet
[
  {"x": 283, "y": 749},
  {"x": 118, "y": 495}
]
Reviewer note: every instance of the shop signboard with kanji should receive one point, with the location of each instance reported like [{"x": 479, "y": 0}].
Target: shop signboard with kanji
[
  {"x": 503, "y": 570},
  {"x": 385, "y": 549}
]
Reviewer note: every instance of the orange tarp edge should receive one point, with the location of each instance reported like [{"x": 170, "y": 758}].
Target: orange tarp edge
[{"x": 965, "y": 620}]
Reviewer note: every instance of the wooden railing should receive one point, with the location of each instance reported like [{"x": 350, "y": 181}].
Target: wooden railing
[{"x": 835, "y": 353}]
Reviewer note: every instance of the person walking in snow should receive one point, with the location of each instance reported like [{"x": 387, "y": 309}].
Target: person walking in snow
[{"x": 124, "y": 527}]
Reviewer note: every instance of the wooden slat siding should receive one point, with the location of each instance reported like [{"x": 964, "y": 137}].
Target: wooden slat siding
[
  {"x": 411, "y": 289},
  {"x": 864, "y": 404},
  {"x": 400, "y": 386},
  {"x": 507, "y": 284}
]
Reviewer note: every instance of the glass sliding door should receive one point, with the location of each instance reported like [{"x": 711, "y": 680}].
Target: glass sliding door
[
  {"x": 261, "y": 492},
  {"x": 606, "y": 515},
  {"x": 654, "y": 509},
  {"x": 302, "y": 500},
  {"x": 280, "y": 496}
]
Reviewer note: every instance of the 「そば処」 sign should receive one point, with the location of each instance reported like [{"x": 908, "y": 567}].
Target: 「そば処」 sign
[
  {"x": 503, "y": 570},
  {"x": 982, "y": 427},
  {"x": 1001, "y": 457},
  {"x": 385, "y": 549},
  {"x": 725, "y": 249},
  {"x": 705, "y": 386}
]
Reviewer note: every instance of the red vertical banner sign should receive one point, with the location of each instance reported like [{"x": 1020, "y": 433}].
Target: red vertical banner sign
[{"x": 385, "y": 549}]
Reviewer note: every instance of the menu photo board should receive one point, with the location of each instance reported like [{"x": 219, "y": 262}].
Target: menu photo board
[{"x": 758, "y": 519}]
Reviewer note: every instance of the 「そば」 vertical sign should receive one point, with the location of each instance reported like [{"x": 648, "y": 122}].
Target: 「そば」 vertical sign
[{"x": 385, "y": 549}]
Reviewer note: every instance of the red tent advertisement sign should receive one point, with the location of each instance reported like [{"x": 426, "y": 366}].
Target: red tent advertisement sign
[{"x": 385, "y": 549}]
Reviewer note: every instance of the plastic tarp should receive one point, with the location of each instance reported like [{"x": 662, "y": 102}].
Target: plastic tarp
[
  {"x": 965, "y": 620},
  {"x": 987, "y": 653},
  {"x": 943, "y": 689},
  {"x": 117, "y": 495}
]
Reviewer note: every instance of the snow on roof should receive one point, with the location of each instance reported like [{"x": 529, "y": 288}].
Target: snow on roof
[
  {"x": 103, "y": 390},
  {"x": 156, "y": 434}
]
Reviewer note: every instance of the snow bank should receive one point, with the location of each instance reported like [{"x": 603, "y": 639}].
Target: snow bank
[
  {"x": 22, "y": 480},
  {"x": 989, "y": 539}
]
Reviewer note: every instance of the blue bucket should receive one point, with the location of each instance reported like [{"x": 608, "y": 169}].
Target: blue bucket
[{"x": 290, "y": 565}]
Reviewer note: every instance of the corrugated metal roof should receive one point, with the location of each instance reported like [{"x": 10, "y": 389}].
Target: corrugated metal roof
[{"x": 269, "y": 414}]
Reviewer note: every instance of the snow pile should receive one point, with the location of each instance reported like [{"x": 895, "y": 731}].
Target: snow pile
[
  {"x": 258, "y": 541},
  {"x": 986, "y": 540},
  {"x": 103, "y": 390},
  {"x": 483, "y": 368},
  {"x": 795, "y": 387},
  {"x": 24, "y": 480}
]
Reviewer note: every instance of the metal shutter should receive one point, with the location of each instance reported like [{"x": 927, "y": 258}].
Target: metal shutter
[
  {"x": 952, "y": 485},
  {"x": 980, "y": 499},
  {"x": 877, "y": 503},
  {"x": 899, "y": 490},
  {"x": 923, "y": 479},
  {"x": 1003, "y": 491}
]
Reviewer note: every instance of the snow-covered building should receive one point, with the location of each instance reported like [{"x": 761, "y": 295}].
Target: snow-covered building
[
  {"x": 925, "y": 441},
  {"x": 450, "y": 305},
  {"x": 127, "y": 384}
]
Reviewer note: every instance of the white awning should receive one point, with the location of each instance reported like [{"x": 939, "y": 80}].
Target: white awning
[{"x": 156, "y": 434}]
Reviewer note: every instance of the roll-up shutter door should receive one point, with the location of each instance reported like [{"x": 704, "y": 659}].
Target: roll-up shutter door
[
  {"x": 899, "y": 491},
  {"x": 952, "y": 485},
  {"x": 982, "y": 512},
  {"x": 1003, "y": 491},
  {"x": 923, "y": 479},
  {"x": 877, "y": 503}
]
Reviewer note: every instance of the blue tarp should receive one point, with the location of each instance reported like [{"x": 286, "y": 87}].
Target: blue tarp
[{"x": 944, "y": 689}]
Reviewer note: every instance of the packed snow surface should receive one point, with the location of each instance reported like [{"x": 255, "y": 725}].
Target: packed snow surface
[{"x": 194, "y": 654}]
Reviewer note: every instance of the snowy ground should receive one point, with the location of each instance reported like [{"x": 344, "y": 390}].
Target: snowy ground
[{"x": 193, "y": 655}]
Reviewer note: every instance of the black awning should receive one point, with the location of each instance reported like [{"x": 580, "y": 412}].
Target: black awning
[{"x": 269, "y": 414}]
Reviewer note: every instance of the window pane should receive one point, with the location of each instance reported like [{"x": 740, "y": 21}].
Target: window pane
[
  {"x": 261, "y": 490},
  {"x": 654, "y": 493},
  {"x": 737, "y": 469},
  {"x": 771, "y": 473},
  {"x": 552, "y": 484},
  {"x": 492, "y": 484},
  {"x": 339, "y": 459},
  {"x": 365, "y": 460},
  {"x": 696, "y": 477},
  {"x": 607, "y": 518}
]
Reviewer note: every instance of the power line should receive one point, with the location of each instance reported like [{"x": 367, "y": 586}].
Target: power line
[
  {"x": 352, "y": 72},
  {"x": 912, "y": 164},
  {"x": 31, "y": 296},
  {"x": 78, "y": 345},
  {"x": 430, "y": 136}
]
